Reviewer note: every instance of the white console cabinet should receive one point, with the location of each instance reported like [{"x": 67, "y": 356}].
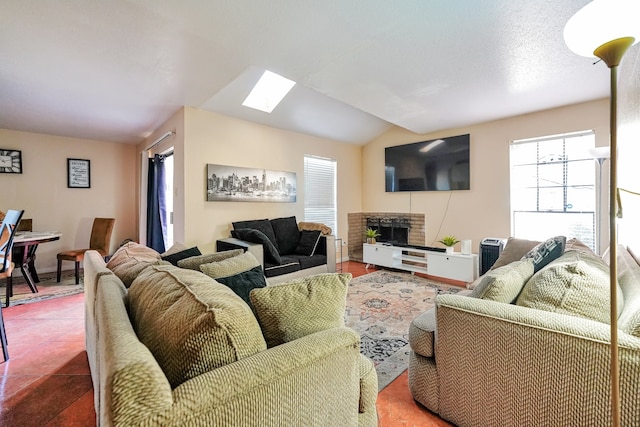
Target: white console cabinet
[{"x": 456, "y": 266}]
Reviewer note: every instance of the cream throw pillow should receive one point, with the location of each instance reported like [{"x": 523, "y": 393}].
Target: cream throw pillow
[
  {"x": 191, "y": 323},
  {"x": 301, "y": 307},
  {"x": 504, "y": 283},
  {"x": 576, "y": 283},
  {"x": 230, "y": 266}
]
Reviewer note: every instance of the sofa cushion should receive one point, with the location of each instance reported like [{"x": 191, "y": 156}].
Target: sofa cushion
[
  {"x": 289, "y": 264},
  {"x": 230, "y": 266},
  {"x": 504, "y": 283},
  {"x": 546, "y": 251},
  {"x": 191, "y": 323},
  {"x": 271, "y": 253},
  {"x": 287, "y": 234},
  {"x": 514, "y": 250},
  {"x": 263, "y": 225},
  {"x": 130, "y": 259},
  {"x": 243, "y": 283},
  {"x": 577, "y": 245},
  {"x": 194, "y": 262},
  {"x": 309, "y": 261},
  {"x": 308, "y": 242},
  {"x": 576, "y": 284},
  {"x": 301, "y": 307},
  {"x": 422, "y": 332},
  {"x": 177, "y": 256}
]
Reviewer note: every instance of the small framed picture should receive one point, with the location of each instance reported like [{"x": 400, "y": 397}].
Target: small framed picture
[
  {"x": 78, "y": 173},
  {"x": 10, "y": 161}
]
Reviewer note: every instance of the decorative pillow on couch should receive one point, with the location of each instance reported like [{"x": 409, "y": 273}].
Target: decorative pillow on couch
[
  {"x": 174, "y": 258},
  {"x": 546, "y": 252},
  {"x": 243, "y": 283},
  {"x": 194, "y": 262},
  {"x": 271, "y": 253},
  {"x": 130, "y": 259},
  {"x": 576, "y": 284},
  {"x": 230, "y": 266},
  {"x": 514, "y": 250},
  {"x": 190, "y": 323},
  {"x": 308, "y": 242},
  {"x": 504, "y": 283},
  {"x": 301, "y": 307}
]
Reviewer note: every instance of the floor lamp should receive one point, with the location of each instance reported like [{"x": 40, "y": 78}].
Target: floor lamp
[
  {"x": 606, "y": 29},
  {"x": 599, "y": 154}
]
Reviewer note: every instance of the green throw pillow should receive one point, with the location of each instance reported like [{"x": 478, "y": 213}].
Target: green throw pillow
[
  {"x": 577, "y": 284},
  {"x": 301, "y": 307},
  {"x": 504, "y": 283},
  {"x": 230, "y": 266},
  {"x": 190, "y": 323},
  {"x": 194, "y": 262}
]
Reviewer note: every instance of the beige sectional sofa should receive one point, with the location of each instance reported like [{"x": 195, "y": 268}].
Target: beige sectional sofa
[
  {"x": 171, "y": 346},
  {"x": 539, "y": 355}
]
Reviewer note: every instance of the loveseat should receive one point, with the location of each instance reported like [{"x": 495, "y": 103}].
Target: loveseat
[
  {"x": 285, "y": 248},
  {"x": 529, "y": 347},
  {"x": 171, "y": 346}
]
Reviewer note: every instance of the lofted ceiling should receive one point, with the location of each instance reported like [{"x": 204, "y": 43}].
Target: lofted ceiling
[{"x": 116, "y": 70}]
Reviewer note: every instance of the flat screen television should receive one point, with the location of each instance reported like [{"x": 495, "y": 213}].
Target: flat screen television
[{"x": 435, "y": 165}]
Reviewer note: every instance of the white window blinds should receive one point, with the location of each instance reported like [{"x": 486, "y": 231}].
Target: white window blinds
[{"x": 320, "y": 191}]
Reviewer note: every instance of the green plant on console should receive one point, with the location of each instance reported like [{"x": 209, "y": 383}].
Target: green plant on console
[
  {"x": 371, "y": 235},
  {"x": 449, "y": 240}
]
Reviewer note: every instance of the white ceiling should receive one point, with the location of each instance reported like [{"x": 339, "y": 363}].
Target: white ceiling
[{"x": 116, "y": 70}]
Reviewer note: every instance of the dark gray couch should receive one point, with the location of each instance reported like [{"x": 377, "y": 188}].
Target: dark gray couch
[{"x": 284, "y": 251}]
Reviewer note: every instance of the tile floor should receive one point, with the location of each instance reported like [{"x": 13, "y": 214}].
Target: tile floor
[{"x": 47, "y": 381}]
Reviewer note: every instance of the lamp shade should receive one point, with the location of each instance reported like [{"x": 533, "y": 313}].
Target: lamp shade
[{"x": 599, "y": 22}]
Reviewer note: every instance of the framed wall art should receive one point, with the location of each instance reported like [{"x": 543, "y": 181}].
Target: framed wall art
[
  {"x": 237, "y": 184},
  {"x": 78, "y": 173},
  {"x": 10, "y": 161}
]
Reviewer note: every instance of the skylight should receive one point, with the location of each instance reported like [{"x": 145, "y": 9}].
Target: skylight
[{"x": 268, "y": 92}]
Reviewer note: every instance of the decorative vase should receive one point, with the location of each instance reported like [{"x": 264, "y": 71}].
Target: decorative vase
[
  {"x": 449, "y": 249},
  {"x": 371, "y": 240}
]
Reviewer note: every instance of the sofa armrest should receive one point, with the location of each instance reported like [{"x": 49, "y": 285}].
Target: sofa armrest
[
  {"x": 330, "y": 251},
  {"x": 232, "y": 243},
  {"x": 495, "y": 358},
  {"x": 310, "y": 381}
]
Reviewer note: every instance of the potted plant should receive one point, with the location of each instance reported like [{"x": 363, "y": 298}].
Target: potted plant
[
  {"x": 371, "y": 235},
  {"x": 449, "y": 241}
]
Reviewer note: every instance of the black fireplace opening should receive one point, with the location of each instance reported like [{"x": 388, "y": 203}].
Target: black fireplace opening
[{"x": 391, "y": 230}]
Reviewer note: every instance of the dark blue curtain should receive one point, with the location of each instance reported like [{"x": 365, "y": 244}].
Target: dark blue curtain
[{"x": 156, "y": 204}]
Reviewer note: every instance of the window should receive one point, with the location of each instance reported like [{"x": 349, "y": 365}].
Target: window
[
  {"x": 553, "y": 187},
  {"x": 320, "y": 191}
]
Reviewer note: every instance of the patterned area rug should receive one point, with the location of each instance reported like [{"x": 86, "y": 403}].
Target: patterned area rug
[
  {"x": 47, "y": 288},
  {"x": 381, "y": 305}
]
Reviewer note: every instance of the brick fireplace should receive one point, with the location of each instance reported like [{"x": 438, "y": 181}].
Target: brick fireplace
[{"x": 394, "y": 227}]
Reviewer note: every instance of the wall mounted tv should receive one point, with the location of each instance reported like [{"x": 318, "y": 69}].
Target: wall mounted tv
[{"x": 436, "y": 165}]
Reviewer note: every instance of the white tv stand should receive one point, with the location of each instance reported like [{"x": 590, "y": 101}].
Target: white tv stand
[{"x": 455, "y": 266}]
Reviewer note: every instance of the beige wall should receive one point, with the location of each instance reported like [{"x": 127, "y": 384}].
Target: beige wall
[
  {"x": 482, "y": 211},
  {"x": 204, "y": 137},
  {"x": 41, "y": 190}
]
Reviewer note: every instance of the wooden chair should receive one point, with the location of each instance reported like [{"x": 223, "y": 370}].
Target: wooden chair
[
  {"x": 100, "y": 241},
  {"x": 7, "y": 232}
]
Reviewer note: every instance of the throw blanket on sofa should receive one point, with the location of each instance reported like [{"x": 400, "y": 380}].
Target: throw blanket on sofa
[{"x": 313, "y": 226}]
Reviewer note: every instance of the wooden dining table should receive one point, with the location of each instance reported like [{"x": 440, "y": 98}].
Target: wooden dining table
[{"x": 29, "y": 240}]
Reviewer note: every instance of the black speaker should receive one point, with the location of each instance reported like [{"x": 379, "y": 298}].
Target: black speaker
[{"x": 490, "y": 250}]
